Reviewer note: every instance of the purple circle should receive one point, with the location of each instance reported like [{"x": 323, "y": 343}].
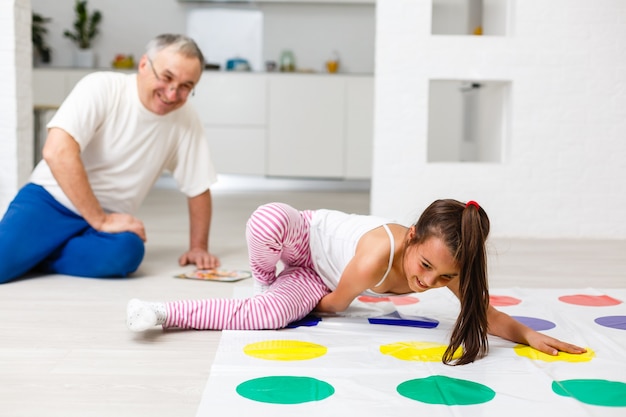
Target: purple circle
[
  {"x": 614, "y": 322},
  {"x": 534, "y": 323}
]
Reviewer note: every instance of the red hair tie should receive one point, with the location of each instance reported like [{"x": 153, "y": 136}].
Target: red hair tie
[{"x": 472, "y": 203}]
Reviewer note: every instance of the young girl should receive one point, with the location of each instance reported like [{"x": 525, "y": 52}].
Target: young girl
[{"x": 330, "y": 258}]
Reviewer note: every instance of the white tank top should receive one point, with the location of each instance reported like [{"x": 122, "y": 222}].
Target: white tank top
[{"x": 333, "y": 240}]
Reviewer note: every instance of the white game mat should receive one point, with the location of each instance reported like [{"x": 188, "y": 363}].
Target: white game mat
[{"x": 346, "y": 365}]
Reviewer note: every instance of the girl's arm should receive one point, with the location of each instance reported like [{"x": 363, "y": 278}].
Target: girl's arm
[
  {"x": 354, "y": 280},
  {"x": 506, "y": 327},
  {"x": 502, "y": 325},
  {"x": 363, "y": 271}
]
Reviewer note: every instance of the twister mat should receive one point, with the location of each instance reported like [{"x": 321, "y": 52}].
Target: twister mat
[{"x": 383, "y": 356}]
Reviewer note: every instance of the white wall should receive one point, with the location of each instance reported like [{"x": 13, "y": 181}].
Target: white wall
[
  {"x": 312, "y": 31},
  {"x": 563, "y": 169},
  {"x": 16, "y": 152}
]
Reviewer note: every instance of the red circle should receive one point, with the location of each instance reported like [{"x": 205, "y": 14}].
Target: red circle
[
  {"x": 395, "y": 300},
  {"x": 590, "y": 300},
  {"x": 503, "y": 300},
  {"x": 404, "y": 300},
  {"x": 370, "y": 299}
]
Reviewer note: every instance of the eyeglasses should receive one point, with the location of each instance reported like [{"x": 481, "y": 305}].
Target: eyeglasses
[{"x": 182, "y": 90}]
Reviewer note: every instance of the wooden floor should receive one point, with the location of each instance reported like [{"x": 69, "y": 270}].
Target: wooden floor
[{"x": 65, "y": 350}]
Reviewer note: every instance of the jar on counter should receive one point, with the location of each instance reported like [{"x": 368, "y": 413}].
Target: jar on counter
[
  {"x": 270, "y": 66},
  {"x": 287, "y": 61},
  {"x": 332, "y": 65}
]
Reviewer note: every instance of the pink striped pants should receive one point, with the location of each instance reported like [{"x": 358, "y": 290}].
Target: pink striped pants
[{"x": 275, "y": 232}]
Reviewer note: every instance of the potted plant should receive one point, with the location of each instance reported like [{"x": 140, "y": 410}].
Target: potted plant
[
  {"x": 85, "y": 30},
  {"x": 41, "y": 50}
]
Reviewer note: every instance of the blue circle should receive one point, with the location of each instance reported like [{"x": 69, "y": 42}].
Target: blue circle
[
  {"x": 614, "y": 322},
  {"x": 535, "y": 323}
]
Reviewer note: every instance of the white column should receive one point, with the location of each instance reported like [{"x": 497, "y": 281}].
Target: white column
[{"x": 16, "y": 110}]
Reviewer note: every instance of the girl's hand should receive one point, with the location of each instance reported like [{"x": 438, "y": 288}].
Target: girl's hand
[
  {"x": 552, "y": 346},
  {"x": 503, "y": 325}
]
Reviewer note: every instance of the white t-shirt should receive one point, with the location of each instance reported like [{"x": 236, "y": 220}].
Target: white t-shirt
[
  {"x": 125, "y": 147},
  {"x": 333, "y": 239}
]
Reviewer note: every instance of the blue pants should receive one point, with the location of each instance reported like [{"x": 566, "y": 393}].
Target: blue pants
[{"x": 37, "y": 233}]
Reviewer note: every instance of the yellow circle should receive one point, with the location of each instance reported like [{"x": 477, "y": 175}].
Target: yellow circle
[
  {"x": 417, "y": 351},
  {"x": 285, "y": 350},
  {"x": 534, "y": 354}
]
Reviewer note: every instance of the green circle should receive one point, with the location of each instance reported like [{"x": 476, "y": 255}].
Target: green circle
[
  {"x": 593, "y": 391},
  {"x": 440, "y": 389},
  {"x": 285, "y": 389}
]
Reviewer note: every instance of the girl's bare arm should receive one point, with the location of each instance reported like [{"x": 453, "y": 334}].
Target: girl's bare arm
[
  {"x": 506, "y": 327},
  {"x": 502, "y": 325},
  {"x": 354, "y": 280},
  {"x": 363, "y": 271}
]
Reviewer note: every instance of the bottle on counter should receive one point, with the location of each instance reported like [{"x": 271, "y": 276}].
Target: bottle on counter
[{"x": 287, "y": 61}]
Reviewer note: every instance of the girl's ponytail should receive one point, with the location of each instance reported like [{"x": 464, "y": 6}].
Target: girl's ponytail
[
  {"x": 464, "y": 229},
  {"x": 470, "y": 330}
]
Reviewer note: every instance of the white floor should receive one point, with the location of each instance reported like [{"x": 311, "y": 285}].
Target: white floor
[{"x": 65, "y": 350}]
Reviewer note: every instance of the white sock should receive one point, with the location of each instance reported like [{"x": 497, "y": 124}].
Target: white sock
[{"x": 142, "y": 315}]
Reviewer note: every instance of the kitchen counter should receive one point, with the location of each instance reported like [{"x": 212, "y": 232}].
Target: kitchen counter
[
  {"x": 287, "y": 122},
  {"x": 206, "y": 71}
]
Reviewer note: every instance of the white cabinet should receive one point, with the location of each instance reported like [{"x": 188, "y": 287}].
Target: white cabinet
[
  {"x": 237, "y": 150},
  {"x": 291, "y": 1},
  {"x": 233, "y": 108},
  {"x": 320, "y": 1},
  {"x": 306, "y": 126},
  {"x": 283, "y": 125},
  {"x": 320, "y": 126},
  {"x": 51, "y": 86},
  {"x": 232, "y": 99},
  {"x": 359, "y": 127}
]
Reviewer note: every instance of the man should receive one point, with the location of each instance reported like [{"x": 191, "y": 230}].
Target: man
[{"x": 107, "y": 144}]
